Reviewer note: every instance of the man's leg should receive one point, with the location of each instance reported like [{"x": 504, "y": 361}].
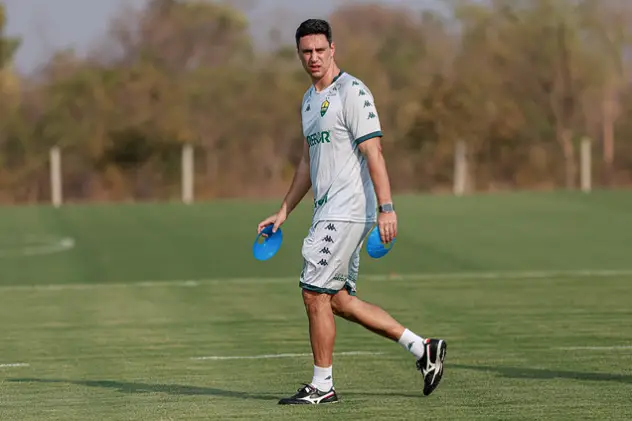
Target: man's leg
[
  {"x": 319, "y": 283},
  {"x": 369, "y": 315},
  {"x": 372, "y": 317},
  {"x": 429, "y": 353},
  {"x": 322, "y": 335}
]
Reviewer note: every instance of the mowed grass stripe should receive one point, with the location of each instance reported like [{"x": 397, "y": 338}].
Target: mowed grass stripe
[
  {"x": 126, "y": 352},
  {"x": 503, "y": 278},
  {"x": 494, "y": 233},
  {"x": 392, "y": 277}
]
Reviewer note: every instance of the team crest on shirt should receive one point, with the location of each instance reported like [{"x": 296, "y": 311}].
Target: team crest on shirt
[{"x": 324, "y": 107}]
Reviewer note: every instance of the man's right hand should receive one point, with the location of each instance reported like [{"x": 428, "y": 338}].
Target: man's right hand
[{"x": 277, "y": 219}]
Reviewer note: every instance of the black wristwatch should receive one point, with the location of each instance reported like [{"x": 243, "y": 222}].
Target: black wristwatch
[{"x": 386, "y": 208}]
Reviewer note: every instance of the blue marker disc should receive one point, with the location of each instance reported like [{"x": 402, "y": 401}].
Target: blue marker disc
[
  {"x": 266, "y": 247},
  {"x": 374, "y": 246}
]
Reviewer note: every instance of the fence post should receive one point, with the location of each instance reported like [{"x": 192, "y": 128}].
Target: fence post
[
  {"x": 586, "y": 165},
  {"x": 187, "y": 174},
  {"x": 55, "y": 176},
  {"x": 460, "y": 168}
]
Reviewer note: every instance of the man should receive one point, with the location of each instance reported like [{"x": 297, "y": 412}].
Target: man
[{"x": 342, "y": 163}]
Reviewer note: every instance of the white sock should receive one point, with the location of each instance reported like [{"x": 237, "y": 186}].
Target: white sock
[
  {"x": 412, "y": 343},
  {"x": 323, "y": 379}
]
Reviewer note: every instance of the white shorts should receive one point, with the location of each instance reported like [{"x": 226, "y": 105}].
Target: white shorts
[{"x": 331, "y": 256}]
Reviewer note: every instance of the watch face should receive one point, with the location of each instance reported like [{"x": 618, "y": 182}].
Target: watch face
[{"x": 386, "y": 208}]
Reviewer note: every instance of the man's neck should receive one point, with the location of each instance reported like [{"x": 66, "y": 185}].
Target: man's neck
[{"x": 327, "y": 79}]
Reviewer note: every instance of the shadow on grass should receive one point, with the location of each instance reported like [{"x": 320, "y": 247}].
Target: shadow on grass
[
  {"x": 171, "y": 389},
  {"x": 543, "y": 374},
  {"x": 177, "y": 389}
]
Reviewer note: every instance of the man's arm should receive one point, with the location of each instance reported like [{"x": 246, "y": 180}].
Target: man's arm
[
  {"x": 372, "y": 150},
  {"x": 301, "y": 183},
  {"x": 387, "y": 222},
  {"x": 363, "y": 122}
]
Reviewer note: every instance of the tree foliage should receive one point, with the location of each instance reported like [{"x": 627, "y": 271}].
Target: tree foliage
[{"x": 519, "y": 81}]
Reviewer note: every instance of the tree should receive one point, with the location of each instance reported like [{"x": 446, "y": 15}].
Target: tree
[
  {"x": 520, "y": 81},
  {"x": 608, "y": 28},
  {"x": 538, "y": 57},
  {"x": 8, "y": 45}
]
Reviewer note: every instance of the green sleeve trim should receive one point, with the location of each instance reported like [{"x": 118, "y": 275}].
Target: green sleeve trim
[{"x": 368, "y": 136}]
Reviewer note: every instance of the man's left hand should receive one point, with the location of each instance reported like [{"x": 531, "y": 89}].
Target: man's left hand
[{"x": 387, "y": 225}]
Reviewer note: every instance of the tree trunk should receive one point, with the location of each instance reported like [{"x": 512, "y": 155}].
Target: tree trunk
[
  {"x": 565, "y": 137},
  {"x": 609, "y": 117}
]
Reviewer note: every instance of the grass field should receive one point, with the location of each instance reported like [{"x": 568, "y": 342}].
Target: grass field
[{"x": 159, "y": 312}]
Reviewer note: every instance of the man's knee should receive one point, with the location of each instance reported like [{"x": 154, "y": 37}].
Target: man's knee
[
  {"x": 316, "y": 301},
  {"x": 342, "y": 304}
]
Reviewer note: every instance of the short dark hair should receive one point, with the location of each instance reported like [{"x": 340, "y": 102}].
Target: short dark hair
[{"x": 314, "y": 27}]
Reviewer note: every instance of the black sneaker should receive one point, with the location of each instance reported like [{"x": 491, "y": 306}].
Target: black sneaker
[
  {"x": 308, "y": 394},
  {"x": 431, "y": 364}
]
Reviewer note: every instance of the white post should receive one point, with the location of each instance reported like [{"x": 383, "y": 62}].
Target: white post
[
  {"x": 460, "y": 168},
  {"x": 187, "y": 174},
  {"x": 586, "y": 166},
  {"x": 55, "y": 176}
]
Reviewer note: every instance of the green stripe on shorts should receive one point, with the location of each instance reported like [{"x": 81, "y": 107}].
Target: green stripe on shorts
[{"x": 326, "y": 290}]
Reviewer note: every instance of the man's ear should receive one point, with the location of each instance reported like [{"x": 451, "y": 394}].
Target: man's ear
[{"x": 333, "y": 48}]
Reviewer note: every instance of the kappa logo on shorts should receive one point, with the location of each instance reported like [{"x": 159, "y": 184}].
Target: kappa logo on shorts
[
  {"x": 328, "y": 239},
  {"x": 330, "y": 227},
  {"x": 323, "y": 262},
  {"x": 325, "y": 250}
]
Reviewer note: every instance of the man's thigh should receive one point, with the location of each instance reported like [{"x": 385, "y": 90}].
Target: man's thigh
[{"x": 331, "y": 256}]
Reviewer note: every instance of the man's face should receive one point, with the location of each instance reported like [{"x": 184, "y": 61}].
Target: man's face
[{"x": 316, "y": 54}]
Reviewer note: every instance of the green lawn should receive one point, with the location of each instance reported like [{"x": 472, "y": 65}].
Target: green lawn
[{"x": 534, "y": 331}]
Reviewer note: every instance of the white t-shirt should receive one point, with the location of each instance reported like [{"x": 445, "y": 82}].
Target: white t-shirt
[{"x": 335, "y": 121}]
